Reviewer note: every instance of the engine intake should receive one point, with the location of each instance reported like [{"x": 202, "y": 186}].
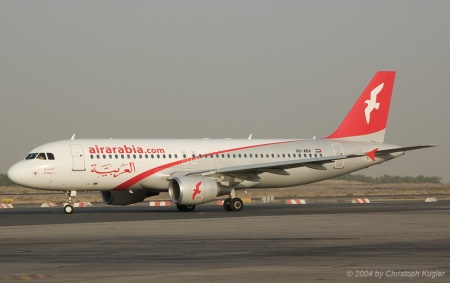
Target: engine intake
[{"x": 186, "y": 190}]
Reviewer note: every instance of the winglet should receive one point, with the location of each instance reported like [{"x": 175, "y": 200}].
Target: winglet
[{"x": 371, "y": 154}]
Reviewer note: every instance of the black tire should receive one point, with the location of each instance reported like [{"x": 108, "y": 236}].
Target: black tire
[
  {"x": 236, "y": 204},
  {"x": 226, "y": 204},
  {"x": 68, "y": 209},
  {"x": 185, "y": 207},
  {"x": 190, "y": 207}
]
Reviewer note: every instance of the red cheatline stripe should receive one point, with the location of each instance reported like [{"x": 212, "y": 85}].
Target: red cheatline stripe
[{"x": 127, "y": 184}]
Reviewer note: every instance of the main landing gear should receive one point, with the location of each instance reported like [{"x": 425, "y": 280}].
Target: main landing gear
[
  {"x": 185, "y": 207},
  {"x": 68, "y": 207},
  {"x": 233, "y": 203}
]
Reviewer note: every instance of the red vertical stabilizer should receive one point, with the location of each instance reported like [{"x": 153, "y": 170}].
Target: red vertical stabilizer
[{"x": 367, "y": 120}]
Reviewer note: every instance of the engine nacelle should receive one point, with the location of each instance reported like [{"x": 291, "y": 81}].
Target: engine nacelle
[
  {"x": 186, "y": 190},
  {"x": 126, "y": 197}
]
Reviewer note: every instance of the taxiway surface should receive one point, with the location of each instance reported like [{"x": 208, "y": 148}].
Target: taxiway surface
[{"x": 377, "y": 242}]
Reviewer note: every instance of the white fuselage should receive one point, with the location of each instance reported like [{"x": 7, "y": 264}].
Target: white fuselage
[{"x": 126, "y": 164}]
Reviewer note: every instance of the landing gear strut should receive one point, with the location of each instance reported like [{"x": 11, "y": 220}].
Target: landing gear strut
[{"x": 68, "y": 207}]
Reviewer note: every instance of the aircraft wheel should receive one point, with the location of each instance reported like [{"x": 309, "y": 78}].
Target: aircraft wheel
[
  {"x": 236, "y": 204},
  {"x": 190, "y": 207},
  {"x": 68, "y": 209},
  {"x": 226, "y": 204},
  {"x": 185, "y": 207}
]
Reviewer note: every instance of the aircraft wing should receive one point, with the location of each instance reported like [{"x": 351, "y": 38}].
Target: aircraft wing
[
  {"x": 252, "y": 170},
  {"x": 274, "y": 167}
]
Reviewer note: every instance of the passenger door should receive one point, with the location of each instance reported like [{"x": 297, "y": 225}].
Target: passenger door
[{"x": 77, "y": 157}]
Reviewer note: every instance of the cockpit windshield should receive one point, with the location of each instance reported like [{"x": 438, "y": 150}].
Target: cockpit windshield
[
  {"x": 31, "y": 156},
  {"x": 41, "y": 156}
]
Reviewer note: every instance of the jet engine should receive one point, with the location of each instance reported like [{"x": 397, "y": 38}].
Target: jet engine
[
  {"x": 126, "y": 197},
  {"x": 187, "y": 190}
]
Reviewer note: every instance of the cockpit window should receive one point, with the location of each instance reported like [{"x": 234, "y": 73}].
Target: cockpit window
[
  {"x": 41, "y": 156},
  {"x": 31, "y": 156}
]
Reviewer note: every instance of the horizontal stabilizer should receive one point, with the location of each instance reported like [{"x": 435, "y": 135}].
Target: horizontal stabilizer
[{"x": 401, "y": 149}]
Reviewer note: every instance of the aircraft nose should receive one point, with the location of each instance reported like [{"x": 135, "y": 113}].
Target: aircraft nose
[{"x": 15, "y": 174}]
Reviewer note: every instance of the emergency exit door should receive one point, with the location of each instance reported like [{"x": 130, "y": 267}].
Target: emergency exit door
[{"x": 338, "y": 151}]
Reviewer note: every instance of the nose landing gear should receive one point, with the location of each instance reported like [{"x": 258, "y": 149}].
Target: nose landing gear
[{"x": 68, "y": 207}]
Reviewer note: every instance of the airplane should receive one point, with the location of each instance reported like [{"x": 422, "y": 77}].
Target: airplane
[{"x": 197, "y": 171}]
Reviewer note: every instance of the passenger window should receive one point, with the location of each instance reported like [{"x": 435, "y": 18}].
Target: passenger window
[{"x": 50, "y": 156}]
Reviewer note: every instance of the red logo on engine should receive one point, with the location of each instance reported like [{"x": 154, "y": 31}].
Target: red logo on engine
[{"x": 197, "y": 190}]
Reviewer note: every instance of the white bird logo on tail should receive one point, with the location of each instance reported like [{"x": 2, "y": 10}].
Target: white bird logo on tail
[{"x": 372, "y": 103}]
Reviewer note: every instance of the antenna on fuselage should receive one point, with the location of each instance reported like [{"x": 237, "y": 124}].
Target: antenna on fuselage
[
  {"x": 73, "y": 137},
  {"x": 250, "y": 136}
]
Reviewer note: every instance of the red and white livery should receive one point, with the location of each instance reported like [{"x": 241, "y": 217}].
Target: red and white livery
[{"x": 194, "y": 172}]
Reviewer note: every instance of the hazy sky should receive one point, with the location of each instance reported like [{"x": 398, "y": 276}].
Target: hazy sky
[{"x": 217, "y": 69}]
